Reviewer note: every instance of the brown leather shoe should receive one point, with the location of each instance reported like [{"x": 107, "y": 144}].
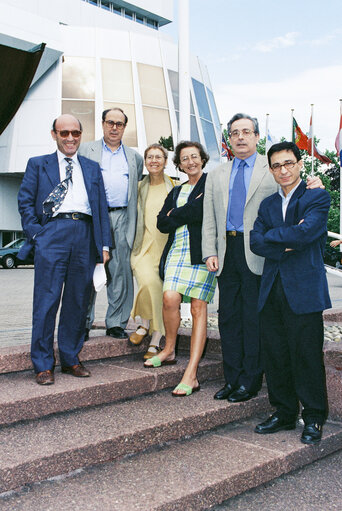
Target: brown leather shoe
[
  {"x": 45, "y": 378},
  {"x": 77, "y": 370}
]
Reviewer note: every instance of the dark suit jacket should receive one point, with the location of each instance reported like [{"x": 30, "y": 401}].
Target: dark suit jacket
[
  {"x": 40, "y": 178},
  {"x": 301, "y": 270},
  {"x": 190, "y": 214}
]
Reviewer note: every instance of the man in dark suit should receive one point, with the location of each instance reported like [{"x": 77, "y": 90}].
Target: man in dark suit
[
  {"x": 290, "y": 232},
  {"x": 64, "y": 215}
]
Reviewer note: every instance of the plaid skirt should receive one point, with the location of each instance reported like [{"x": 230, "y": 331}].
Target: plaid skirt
[{"x": 192, "y": 280}]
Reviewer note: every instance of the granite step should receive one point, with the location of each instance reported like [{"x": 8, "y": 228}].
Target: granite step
[
  {"x": 34, "y": 450},
  {"x": 111, "y": 380},
  {"x": 190, "y": 474}
]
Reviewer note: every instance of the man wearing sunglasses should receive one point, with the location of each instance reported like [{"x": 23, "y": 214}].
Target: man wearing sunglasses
[
  {"x": 64, "y": 216},
  {"x": 233, "y": 194},
  {"x": 290, "y": 232},
  {"x": 121, "y": 169}
]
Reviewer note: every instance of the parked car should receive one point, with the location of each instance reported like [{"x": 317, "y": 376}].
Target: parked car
[
  {"x": 8, "y": 254},
  {"x": 333, "y": 256}
]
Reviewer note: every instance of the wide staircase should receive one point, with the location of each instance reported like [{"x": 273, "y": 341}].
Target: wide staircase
[{"x": 119, "y": 441}]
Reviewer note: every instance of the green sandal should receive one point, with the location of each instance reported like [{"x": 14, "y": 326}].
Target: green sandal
[
  {"x": 187, "y": 389},
  {"x": 156, "y": 362}
]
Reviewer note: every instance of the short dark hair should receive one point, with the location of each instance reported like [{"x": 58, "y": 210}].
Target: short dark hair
[
  {"x": 283, "y": 146},
  {"x": 54, "y": 125},
  {"x": 236, "y": 117},
  {"x": 105, "y": 112},
  {"x": 188, "y": 143},
  {"x": 156, "y": 146}
]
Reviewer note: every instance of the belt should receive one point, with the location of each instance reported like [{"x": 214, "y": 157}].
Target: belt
[
  {"x": 116, "y": 208},
  {"x": 74, "y": 216},
  {"x": 234, "y": 233}
]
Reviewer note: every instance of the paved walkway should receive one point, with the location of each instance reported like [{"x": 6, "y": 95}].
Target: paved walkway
[{"x": 16, "y": 291}]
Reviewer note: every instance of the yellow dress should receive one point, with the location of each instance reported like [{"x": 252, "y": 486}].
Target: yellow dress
[{"x": 145, "y": 265}]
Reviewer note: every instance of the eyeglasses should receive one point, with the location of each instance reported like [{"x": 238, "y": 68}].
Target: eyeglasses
[
  {"x": 119, "y": 125},
  {"x": 244, "y": 132},
  {"x": 194, "y": 158},
  {"x": 288, "y": 165},
  {"x": 66, "y": 133},
  {"x": 157, "y": 157}
]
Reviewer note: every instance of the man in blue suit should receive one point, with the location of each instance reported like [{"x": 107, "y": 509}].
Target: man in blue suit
[
  {"x": 64, "y": 215},
  {"x": 290, "y": 232}
]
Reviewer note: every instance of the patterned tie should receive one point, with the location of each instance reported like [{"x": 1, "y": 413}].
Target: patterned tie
[
  {"x": 55, "y": 199},
  {"x": 238, "y": 197}
]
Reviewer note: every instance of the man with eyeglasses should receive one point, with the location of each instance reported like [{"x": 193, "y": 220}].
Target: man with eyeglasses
[
  {"x": 233, "y": 194},
  {"x": 290, "y": 232},
  {"x": 122, "y": 168},
  {"x": 64, "y": 216}
]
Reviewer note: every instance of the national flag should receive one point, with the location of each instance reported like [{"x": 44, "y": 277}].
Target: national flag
[
  {"x": 270, "y": 140},
  {"x": 317, "y": 153},
  {"x": 338, "y": 142},
  {"x": 298, "y": 137},
  {"x": 226, "y": 151}
]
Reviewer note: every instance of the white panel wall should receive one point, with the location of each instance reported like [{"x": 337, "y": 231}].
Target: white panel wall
[{"x": 9, "y": 216}]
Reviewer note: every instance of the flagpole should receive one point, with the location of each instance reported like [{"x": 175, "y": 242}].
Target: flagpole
[
  {"x": 266, "y": 138},
  {"x": 312, "y": 142},
  {"x": 339, "y": 159},
  {"x": 293, "y": 138}
]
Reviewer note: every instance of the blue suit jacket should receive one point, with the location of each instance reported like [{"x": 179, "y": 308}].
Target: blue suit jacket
[
  {"x": 40, "y": 178},
  {"x": 301, "y": 270}
]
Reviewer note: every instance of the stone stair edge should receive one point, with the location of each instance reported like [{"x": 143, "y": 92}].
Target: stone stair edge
[
  {"x": 191, "y": 488},
  {"x": 111, "y": 380},
  {"x": 89, "y": 448}
]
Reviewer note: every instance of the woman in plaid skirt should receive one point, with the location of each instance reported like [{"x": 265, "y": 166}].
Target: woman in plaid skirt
[{"x": 181, "y": 264}]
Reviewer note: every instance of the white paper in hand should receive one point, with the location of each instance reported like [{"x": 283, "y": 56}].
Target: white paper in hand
[{"x": 99, "y": 277}]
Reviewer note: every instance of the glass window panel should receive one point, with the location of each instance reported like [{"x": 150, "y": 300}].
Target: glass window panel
[
  {"x": 214, "y": 109},
  {"x": 139, "y": 19},
  {"x": 117, "y": 10},
  {"x": 105, "y": 4},
  {"x": 152, "y": 85},
  {"x": 173, "y": 77},
  {"x": 157, "y": 124},
  {"x": 130, "y": 135},
  {"x": 78, "y": 78},
  {"x": 117, "y": 81},
  {"x": 85, "y": 112},
  {"x": 210, "y": 140},
  {"x": 128, "y": 14},
  {"x": 201, "y": 99},
  {"x": 193, "y": 129}
]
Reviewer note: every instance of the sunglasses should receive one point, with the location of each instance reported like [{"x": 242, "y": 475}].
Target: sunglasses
[{"x": 66, "y": 133}]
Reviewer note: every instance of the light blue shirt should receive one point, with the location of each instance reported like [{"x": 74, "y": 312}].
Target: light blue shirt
[
  {"x": 115, "y": 175},
  {"x": 285, "y": 200},
  {"x": 248, "y": 170}
]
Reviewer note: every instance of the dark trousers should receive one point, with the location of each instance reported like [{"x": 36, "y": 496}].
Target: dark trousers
[
  {"x": 64, "y": 265},
  {"x": 292, "y": 358},
  {"x": 238, "y": 318}
]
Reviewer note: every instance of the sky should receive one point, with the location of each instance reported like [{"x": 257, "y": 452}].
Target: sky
[{"x": 269, "y": 56}]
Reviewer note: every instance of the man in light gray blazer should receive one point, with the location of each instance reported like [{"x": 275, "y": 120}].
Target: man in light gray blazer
[
  {"x": 233, "y": 194},
  {"x": 122, "y": 168}
]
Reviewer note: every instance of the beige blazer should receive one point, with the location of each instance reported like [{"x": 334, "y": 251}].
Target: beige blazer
[
  {"x": 93, "y": 151},
  {"x": 215, "y": 209}
]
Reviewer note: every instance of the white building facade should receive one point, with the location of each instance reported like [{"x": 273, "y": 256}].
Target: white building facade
[{"x": 99, "y": 54}]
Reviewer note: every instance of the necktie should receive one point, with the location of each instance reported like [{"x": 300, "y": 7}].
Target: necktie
[
  {"x": 55, "y": 199},
  {"x": 238, "y": 197}
]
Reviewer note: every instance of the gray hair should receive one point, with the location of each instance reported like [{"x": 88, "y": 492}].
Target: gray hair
[{"x": 236, "y": 117}]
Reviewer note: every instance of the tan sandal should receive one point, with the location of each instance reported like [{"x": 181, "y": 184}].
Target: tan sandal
[
  {"x": 151, "y": 353},
  {"x": 137, "y": 338}
]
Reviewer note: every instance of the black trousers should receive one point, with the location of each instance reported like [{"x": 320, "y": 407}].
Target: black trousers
[
  {"x": 238, "y": 318},
  {"x": 293, "y": 358}
]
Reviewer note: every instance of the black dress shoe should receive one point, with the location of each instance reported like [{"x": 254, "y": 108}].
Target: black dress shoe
[
  {"x": 86, "y": 335},
  {"x": 241, "y": 394},
  {"x": 274, "y": 424},
  {"x": 224, "y": 392},
  {"x": 117, "y": 332},
  {"x": 312, "y": 433}
]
